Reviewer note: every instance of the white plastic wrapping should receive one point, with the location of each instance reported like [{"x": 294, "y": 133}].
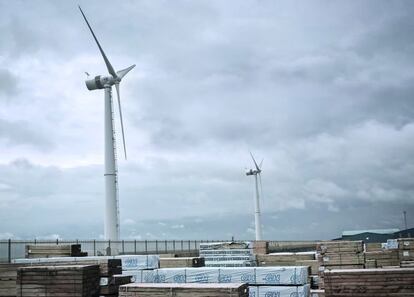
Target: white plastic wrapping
[
  {"x": 282, "y": 275},
  {"x": 283, "y": 291},
  {"x": 253, "y": 291},
  {"x": 289, "y": 275},
  {"x": 137, "y": 262},
  {"x": 202, "y": 275},
  {"x": 237, "y": 275},
  {"x": 129, "y": 262},
  {"x": 172, "y": 275}
]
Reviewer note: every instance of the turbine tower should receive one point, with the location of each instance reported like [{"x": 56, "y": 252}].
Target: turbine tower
[
  {"x": 257, "y": 219},
  {"x": 111, "y": 228}
]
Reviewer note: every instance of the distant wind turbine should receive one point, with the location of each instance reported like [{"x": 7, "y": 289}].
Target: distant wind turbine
[
  {"x": 257, "y": 217},
  {"x": 111, "y": 178}
]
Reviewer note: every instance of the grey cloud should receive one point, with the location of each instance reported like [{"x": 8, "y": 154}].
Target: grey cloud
[
  {"x": 21, "y": 133},
  {"x": 8, "y": 84},
  {"x": 323, "y": 91}
]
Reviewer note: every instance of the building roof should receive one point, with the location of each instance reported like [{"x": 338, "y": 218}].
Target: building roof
[{"x": 377, "y": 231}]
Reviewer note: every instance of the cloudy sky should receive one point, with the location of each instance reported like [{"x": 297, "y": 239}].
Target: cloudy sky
[{"x": 322, "y": 90}]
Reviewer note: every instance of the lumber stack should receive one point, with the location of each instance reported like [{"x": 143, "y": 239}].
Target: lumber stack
[
  {"x": 107, "y": 266},
  {"x": 382, "y": 258},
  {"x": 262, "y": 281},
  {"x": 54, "y": 250},
  {"x": 370, "y": 282},
  {"x": 339, "y": 255},
  {"x": 59, "y": 281},
  {"x": 290, "y": 259},
  {"x": 261, "y": 247},
  {"x": 374, "y": 247},
  {"x": 228, "y": 254},
  {"x": 108, "y": 269},
  {"x": 109, "y": 286},
  {"x": 8, "y": 277},
  {"x": 181, "y": 262},
  {"x": 406, "y": 249},
  {"x": 184, "y": 290}
]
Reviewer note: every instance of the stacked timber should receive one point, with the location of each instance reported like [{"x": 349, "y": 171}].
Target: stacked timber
[
  {"x": 374, "y": 247},
  {"x": 184, "y": 290},
  {"x": 8, "y": 277},
  {"x": 290, "y": 259},
  {"x": 109, "y": 268},
  {"x": 228, "y": 254},
  {"x": 370, "y": 282},
  {"x": 181, "y": 262},
  {"x": 261, "y": 247},
  {"x": 262, "y": 281},
  {"x": 70, "y": 281},
  {"x": 339, "y": 255},
  {"x": 54, "y": 250},
  {"x": 379, "y": 259},
  {"x": 406, "y": 249}
]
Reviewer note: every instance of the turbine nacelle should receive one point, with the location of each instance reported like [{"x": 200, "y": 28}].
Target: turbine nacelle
[
  {"x": 252, "y": 172},
  {"x": 100, "y": 82}
]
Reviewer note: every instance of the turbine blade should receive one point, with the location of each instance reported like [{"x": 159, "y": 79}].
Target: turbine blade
[
  {"x": 123, "y": 72},
  {"x": 108, "y": 65},
  {"x": 260, "y": 165},
  {"x": 120, "y": 116},
  {"x": 255, "y": 164}
]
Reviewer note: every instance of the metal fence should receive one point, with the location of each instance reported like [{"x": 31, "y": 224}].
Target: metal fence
[{"x": 15, "y": 249}]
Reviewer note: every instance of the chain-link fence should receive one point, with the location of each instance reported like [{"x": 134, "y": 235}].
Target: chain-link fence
[{"x": 15, "y": 249}]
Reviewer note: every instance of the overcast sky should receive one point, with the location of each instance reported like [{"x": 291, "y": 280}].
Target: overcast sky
[{"x": 322, "y": 90}]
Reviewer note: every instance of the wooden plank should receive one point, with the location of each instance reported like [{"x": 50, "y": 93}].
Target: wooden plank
[{"x": 184, "y": 290}]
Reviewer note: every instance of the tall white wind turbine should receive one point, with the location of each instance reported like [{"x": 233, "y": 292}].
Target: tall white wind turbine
[
  {"x": 111, "y": 229},
  {"x": 257, "y": 217}
]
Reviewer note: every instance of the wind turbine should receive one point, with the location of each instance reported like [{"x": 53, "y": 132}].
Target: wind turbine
[
  {"x": 257, "y": 219},
  {"x": 111, "y": 228}
]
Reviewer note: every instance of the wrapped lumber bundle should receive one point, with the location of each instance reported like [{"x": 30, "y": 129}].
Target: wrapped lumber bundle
[
  {"x": 184, "y": 290},
  {"x": 382, "y": 258},
  {"x": 70, "y": 281},
  {"x": 285, "y": 276},
  {"x": 228, "y": 254},
  {"x": 290, "y": 259},
  {"x": 339, "y": 255},
  {"x": 181, "y": 262},
  {"x": 370, "y": 282},
  {"x": 406, "y": 249},
  {"x": 54, "y": 250},
  {"x": 108, "y": 266}
]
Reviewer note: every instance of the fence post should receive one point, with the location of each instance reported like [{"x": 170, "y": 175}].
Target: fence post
[
  {"x": 174, "y": 246},
  {"x": 57, "y": 241},
  {"x": 182, "y": 245},
  {"x": 189, "y": 248},
  {"x": 9, "y": 250},
  {"x": 135, "y": 246},
  {"x": 156, "y": 246},
  {"x": 123, "y": 247},
  {"x": 165, "y": 246},
  {"x": 146, "y": 247},
  {"x": 94, "y": 247}
]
